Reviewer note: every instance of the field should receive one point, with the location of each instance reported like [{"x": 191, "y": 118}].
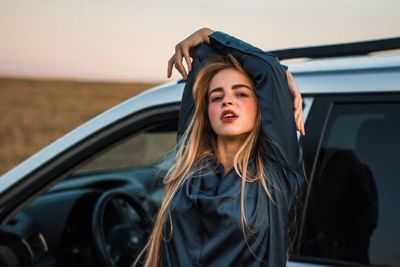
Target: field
[{"x": 34, "y": 113}]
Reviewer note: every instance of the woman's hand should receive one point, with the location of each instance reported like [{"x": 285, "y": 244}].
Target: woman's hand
[
  {"x": 297, "y": 103},
  {"x": 184, "y": 50}
]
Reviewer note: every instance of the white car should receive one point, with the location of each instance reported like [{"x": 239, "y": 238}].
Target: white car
[{"x": 89, "y": 198}]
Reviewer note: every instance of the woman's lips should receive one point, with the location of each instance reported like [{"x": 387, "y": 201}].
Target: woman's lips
[
  {"x": 229, "y": 119},
  {"x": 228, "y": 116}
]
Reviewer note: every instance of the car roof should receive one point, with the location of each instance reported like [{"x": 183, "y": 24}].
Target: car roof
[
  {"x": 347, "y": 63},
  {"x": 352, "y": 74},
  {"x": 317, "y": 76}
]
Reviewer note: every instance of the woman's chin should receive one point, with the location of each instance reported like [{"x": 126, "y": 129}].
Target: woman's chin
[{"x": 233, "y": 136}]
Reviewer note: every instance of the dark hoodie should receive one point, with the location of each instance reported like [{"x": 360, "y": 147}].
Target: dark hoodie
[{"x": 205, "y": 212}]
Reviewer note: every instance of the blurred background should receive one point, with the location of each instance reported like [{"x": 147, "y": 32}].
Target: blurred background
[{"x": 63, "y": 62}]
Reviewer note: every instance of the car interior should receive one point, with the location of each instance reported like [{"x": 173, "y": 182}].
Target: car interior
[{"x": 101, "y": 214}]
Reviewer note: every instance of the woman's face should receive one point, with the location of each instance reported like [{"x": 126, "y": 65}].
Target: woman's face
[{"x": 232, "y": 104}]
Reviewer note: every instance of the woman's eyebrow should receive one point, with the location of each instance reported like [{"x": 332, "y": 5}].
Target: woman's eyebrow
[
  {"x": 217, "y": 89},
  {"x": 235, "y": 86}
]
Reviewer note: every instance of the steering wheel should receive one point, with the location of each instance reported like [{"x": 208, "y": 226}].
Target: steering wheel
[{"x": 123, "y": 240}]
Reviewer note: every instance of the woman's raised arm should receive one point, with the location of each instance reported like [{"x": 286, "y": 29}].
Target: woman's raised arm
[{"x": 185, "y": 50}]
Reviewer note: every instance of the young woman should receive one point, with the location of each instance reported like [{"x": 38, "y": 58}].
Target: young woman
[{"x": 238, "y": 165}]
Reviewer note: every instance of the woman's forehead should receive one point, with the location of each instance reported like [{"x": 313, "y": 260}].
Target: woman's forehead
[{"x": 229, "y": 79}]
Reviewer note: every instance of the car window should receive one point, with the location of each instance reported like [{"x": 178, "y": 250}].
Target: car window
[
  {"x": 138, "y": 151},
  {"x": 352, "y": 212}
]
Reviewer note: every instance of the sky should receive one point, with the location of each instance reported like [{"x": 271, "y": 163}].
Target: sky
[{"x": 131, "y": 40}]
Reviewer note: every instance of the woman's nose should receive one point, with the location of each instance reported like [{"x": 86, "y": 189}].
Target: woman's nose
[{"x": 227, "y": 101}]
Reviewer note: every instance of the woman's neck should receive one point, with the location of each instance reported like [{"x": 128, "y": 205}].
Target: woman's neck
[{"x": 226, "y": 151}]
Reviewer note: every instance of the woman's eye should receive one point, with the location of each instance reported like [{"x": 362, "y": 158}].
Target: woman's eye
[
  {"x": 214, "y": 99},
  {"x": 242, "y": 94}
]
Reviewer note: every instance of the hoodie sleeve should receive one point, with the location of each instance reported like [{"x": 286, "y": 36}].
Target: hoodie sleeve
[
  {"x": 203, "y": 52},
  {"x": 271, "y": 87}
]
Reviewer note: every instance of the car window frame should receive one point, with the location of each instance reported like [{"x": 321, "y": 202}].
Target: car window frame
[{"x": 44, "y": 177}]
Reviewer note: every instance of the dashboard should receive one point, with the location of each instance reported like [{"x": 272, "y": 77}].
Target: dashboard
[{"x": 57, "y": 228}]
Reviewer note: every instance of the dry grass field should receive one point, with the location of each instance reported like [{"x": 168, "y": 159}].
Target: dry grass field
[{"x": 33, "y": 113}]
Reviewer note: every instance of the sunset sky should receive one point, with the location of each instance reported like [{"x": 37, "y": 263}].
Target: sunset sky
[{"x": 128, "y": 40}]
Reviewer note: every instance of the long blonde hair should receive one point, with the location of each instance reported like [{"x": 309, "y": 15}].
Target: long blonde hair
[{"x": 197, "y": 142}]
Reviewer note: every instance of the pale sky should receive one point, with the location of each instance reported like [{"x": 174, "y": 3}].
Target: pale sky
[{"x": 130, "y": 40}]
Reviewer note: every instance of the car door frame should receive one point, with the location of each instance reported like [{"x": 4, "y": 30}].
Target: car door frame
[
  {"x": 316, "y": 129},
  {"x": 43, "y": 177}
]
